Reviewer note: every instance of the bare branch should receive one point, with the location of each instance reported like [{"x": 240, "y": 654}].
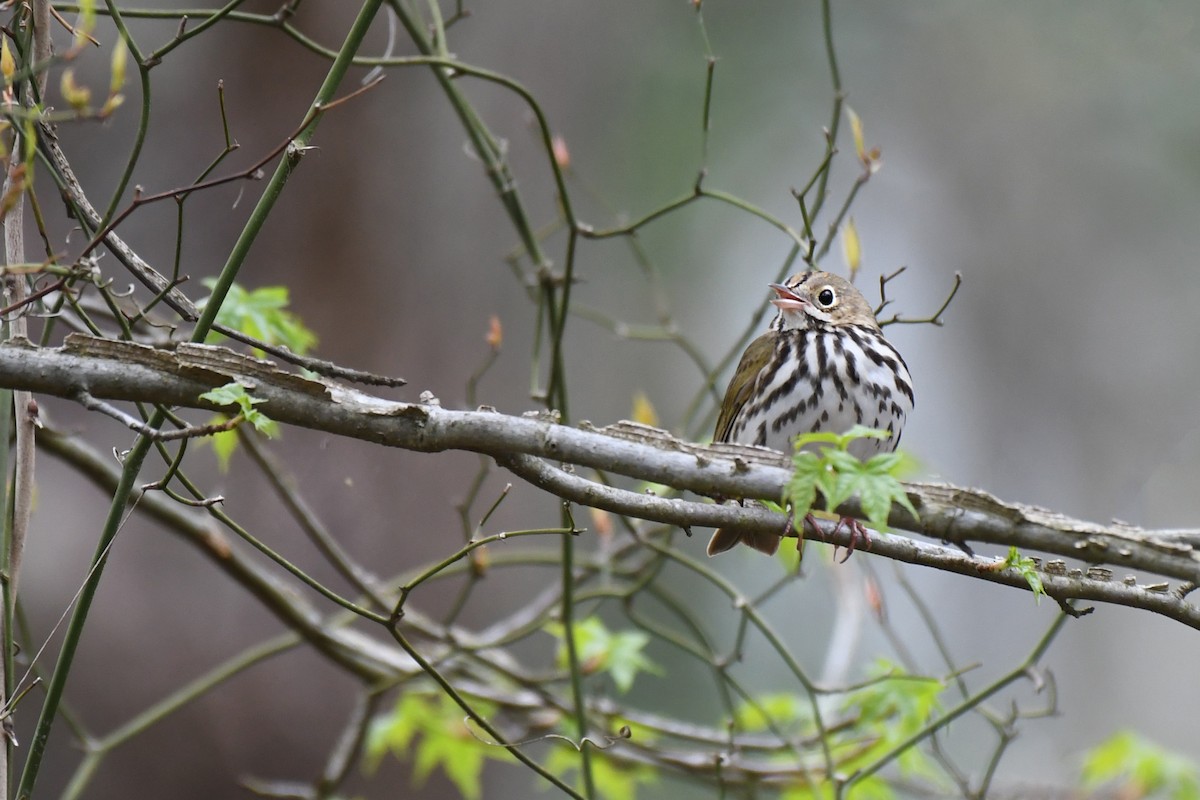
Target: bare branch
[
  {"x": 124, "y": 371},
  {"x": 133, "y": 423},
  {"x": 1059, "y": 585},
  {"x": 145, "y": 273}
]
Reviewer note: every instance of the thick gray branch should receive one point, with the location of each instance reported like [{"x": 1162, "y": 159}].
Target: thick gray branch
[{"x": 123, "y": 371}]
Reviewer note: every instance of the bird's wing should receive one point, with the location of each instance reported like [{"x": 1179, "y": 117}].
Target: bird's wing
[{"x": 742, "y": 385}]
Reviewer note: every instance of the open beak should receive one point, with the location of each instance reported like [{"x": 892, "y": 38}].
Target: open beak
[{"x": 787, "y": 300}]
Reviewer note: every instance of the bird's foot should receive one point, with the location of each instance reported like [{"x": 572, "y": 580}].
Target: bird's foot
[
  {"x": 857, "y": 531},
  {"x": 858, "y": 534},
  {"x": 811, "y": 522}
]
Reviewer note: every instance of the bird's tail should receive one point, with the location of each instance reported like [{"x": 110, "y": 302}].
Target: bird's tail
[{"x": 724, "y": 539}]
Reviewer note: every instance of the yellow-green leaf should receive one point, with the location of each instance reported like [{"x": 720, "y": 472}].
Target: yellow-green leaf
[
  {"x": 76, "y": 96},
  {"x": 85, "y": 23},
  {"x": 643, "y": 410},
  {"x": 8, "y": 66},
  {"x": 856, "y": 129},
  {"x": 851, "y": 248},
  {"x": 119, "y": 56}
]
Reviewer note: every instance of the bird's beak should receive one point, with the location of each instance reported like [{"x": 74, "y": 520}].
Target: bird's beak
[{"x": 787, "y": 299}]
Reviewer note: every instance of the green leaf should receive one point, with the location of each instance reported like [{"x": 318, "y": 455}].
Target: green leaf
[
  {"x": 841, "y": 461},
  {"x": 842, "y": 485},
  {"x": 599, "y": 650},
  {"x": 822, "y": 791},
  {"x": 882, "y": 714},
  {"x": 861, "y": 432},
  {"x": 234, "y": 394},
  {"x": 905, "y": 700},
  {"x": 1028, "y": 570},
  {"x": 801, "y": 489},
  {"x": 878, "y": 490},
  {"x": 462, "y": 763},
  {"x": 262, "y": 313},
  {"x": 817, "y": 437},
  {"x": 626, "y": 660},
  {"x": 1140, "y": 768},
  {"x": 895, "y": 707},
  {"x": 872, "y": 788},
  {"x": 434, "y": 726},
  {"x": 393, "y": 732},
  {"x": 838, "y": 476},
  {"x": 876, "y": 502},
  {"x": 783, "y": 709},
  {"x": 884, "y": 463},
  {"x": 231, "y": 394}
]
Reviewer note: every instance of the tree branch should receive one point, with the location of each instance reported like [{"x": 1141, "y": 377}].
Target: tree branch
[{"x": 114, "y": 370}]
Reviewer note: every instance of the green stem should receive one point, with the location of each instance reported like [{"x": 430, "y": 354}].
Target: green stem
[
  {"x": 498, "y": 172},
  {"x": 482, "y": 141},
  {"x": 556, "y": 387},
  {"x": 568, "y": 621},
  {"x": 557, "y": 398},
  {"x": 8, "y": 607},
  {"x": 58, "y": 680},
  {"x": 283, "y": 171},
  {"x": 143, "y": 119},
  {"x": 133, "y": 462},
  {"x": 835, "y": 77}
]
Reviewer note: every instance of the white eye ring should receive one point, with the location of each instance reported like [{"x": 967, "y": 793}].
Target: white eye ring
[{"x": 826, "y": 297}]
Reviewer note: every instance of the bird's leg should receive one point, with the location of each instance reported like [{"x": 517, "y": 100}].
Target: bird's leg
[
  {"x": 788, "y": 527},
  {"x": 811, "y": 522}
]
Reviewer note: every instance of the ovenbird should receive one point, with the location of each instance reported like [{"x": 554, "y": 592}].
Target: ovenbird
[{"x": 822, "y": 366}]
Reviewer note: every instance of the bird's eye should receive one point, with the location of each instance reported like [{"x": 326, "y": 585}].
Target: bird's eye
[{"x": 825, "y": 297}]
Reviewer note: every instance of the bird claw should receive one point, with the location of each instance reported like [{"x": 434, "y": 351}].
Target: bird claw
[{"x": 857, "y": 531}]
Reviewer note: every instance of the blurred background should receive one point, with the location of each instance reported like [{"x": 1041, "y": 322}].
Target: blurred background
[{"x": 1049, "y": 153}]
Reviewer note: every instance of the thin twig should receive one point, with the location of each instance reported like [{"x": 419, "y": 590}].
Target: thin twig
[
  {"x": 933, "y": 319},
  {"x": 317, "y": 365},
  {"x": 136, "y": 425}
]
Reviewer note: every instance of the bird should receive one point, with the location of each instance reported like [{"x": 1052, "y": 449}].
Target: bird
[{"x": 823, "y": 365}]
